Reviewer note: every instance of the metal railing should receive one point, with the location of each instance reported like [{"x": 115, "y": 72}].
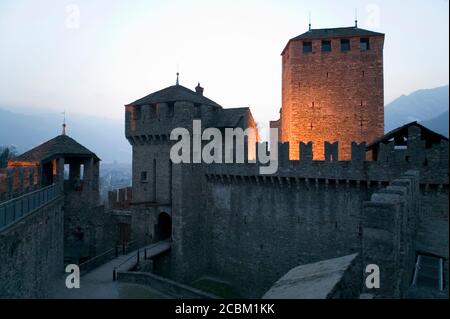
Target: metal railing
[
  {"x": 107, "y": 256},
  {"x": 140, "y": 252},
  {"x": 98, "y": 260},
  {"x": 138, "y": 259},
  {"x": 17, "y": 208}
]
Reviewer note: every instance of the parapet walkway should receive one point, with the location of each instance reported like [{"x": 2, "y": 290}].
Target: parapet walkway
[{"x": 98, "y": 283}]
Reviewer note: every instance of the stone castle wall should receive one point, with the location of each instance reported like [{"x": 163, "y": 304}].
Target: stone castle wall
[
  {"x": 389, "y": 228},
  {"x": 390, "y": 223},
  {"x": 83, "y": 214},
  {"x": 258, "y": 231},
  {"x": 32, "y": 253},
  {"x": 229, "y": 221}
]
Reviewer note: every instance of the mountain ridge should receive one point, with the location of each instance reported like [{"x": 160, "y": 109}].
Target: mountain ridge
[{"x": 409, "y": 108}]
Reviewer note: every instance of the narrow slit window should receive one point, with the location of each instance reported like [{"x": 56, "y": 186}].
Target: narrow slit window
[
  {"x": 197, "y": 111},
  {"x": 154, "y": 180},
  {"x": 144, "y": 176},
  {"x": 170, "y": 109}
]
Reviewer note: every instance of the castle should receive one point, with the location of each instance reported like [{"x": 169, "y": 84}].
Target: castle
[
  {"x": 229, "y": 222},
  {"x": 344, "y": 195}
]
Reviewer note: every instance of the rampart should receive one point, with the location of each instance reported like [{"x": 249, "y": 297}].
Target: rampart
[
  {"x": 32, "y": 252},
  {"x": 238, "y": 219},
  {"x": 390, "y": 222}
]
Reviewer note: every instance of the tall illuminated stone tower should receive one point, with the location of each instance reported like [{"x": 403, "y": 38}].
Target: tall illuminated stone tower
[{"x": 332, "y": 89}]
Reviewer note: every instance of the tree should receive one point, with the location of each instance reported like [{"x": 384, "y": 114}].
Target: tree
[{"x": 6, "y": 153}]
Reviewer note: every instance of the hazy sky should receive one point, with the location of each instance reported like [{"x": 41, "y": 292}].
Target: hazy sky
[{"x": 94, "y": 56}]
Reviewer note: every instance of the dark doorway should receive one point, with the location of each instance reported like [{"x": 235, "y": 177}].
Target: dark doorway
[
  {"x": 163, "y": 229},
  {"x": 124, "y": 234}
]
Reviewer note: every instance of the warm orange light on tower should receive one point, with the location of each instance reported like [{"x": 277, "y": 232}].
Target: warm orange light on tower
[
  {"x": 332, "y": 90},
  {"x": 13, "y": 163}
]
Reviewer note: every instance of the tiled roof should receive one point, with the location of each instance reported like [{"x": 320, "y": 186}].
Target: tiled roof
[
  {"x": 345, "y": 32},
  {"x": 427, "y": 134},
  {"x": 61, "y": 145},
  {"x": 336, "y": 33},
  {"x": 175, "y": 93},
  {"x": 230, "y": 117}
]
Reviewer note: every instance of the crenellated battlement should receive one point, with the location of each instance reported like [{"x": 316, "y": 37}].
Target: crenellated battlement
[
  {"x": 243, "y": 210},
  {"x": 120, "y": 198},
  {"x": 161, "y": 118},
  {"x": 431, "y": 161},
  {"x": 152, "y": 125},
  {"x": 389, "y": 222},
  {"x": 15, "y": 181}
]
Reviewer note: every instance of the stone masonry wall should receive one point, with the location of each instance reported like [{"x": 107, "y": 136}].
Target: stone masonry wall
[
  {"x": 191, "y": 246},
  {"x": 390, "y": 222},
  {"x": 32, "y": 253},
  {"x": 257, "y": 232},
  {"x": 332, "y": 96},
  {"x": 230, "y": 222},
  {"x": 337, "y": 278}
]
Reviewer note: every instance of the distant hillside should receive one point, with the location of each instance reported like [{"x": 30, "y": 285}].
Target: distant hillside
[
  {"x": 422, "y": 105},
  {"x": 438, "y": 124},
  {"x": 103, "y": 136}
]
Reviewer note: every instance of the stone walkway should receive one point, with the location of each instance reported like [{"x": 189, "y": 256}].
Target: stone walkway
[{"x": 99, "y": 284}]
